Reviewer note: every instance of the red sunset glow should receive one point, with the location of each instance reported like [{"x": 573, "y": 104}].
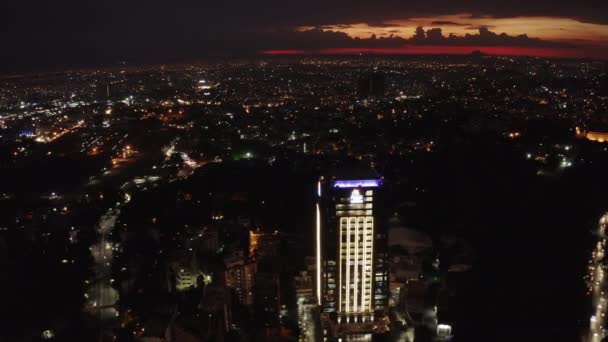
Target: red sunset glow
[{"x": 452, "y": 50}]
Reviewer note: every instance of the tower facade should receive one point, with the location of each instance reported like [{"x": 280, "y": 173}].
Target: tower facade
[{"x": 351, "y": 248}]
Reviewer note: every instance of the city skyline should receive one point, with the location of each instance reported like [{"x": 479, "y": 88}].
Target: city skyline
[
  {"x": 303, "y": 170},
  {"x": 298, "y": 198}
]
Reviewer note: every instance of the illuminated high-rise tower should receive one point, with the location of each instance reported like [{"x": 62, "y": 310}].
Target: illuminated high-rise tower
[{"x": 352, "y": 277}]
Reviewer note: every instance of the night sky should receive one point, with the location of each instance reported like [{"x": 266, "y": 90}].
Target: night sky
[{"x": 38, "y": 34}]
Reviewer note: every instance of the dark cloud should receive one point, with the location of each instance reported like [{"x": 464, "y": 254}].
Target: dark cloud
[
  {"x": 478, "y": 27},
  {"x": 378, "y": 24},
  {"x": 338, "y": 26},
  {"x": 35, "y": 32},
  {"x": 313, "y": 40},
  {"x": 447, "y": 23}
]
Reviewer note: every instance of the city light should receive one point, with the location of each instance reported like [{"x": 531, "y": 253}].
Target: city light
[
  {"x": 356, "y": 197},
  {"x": 318, "y": 252},
  {"x": 135, "y": 179},
  {"x": 363, "y": 183},
  {"x": 596, "y": 281}
]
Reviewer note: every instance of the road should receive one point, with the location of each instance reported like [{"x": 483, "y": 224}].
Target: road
[
  {"x": 190, "y": 165},
  {"x": 307, "y": 322},
  {"x": 102, "y": 296},
  {"x": 406, "y": 334},
  {"x": 597, "y": 285}
]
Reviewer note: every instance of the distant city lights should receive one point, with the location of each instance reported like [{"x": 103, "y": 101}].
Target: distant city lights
[{"x": 363, "y": 183}]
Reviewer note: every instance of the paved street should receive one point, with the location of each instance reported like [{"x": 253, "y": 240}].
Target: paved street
[
  {"x": 306, "y": 322},
  {"x": 102, "y": 296},
  {"x": 597, "y": 285}
]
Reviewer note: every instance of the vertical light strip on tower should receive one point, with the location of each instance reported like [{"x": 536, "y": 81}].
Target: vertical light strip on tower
[
  {"x": 363, "y": 268},
  {"x": 318, "y": 255},
  {"x": 371, "y": 260},
  {"x": 348, "y": 265},
  {"x": 356, "y": 278},
  {"x": 342, "y": 224}
]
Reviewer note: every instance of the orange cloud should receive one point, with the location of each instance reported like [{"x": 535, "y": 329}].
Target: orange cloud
[{"x": 546, "y": 28}]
